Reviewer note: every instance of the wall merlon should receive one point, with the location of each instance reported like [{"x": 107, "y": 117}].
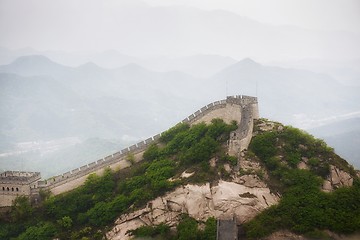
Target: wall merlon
[
  {"x": 83, "y": 168},
  {"x": 156, "y": 137},
  {"x": 125, "y": 150},
  {"x": 67, "y": 174},
  {"x": 191, "y": 117},
  {"x": 149, "y": 140},
  {"x": 186, "y": 120},
  {"x": 141, "y": 144},
  {"x": 204, "y": 108},
  {"x": 132, "y": 148}
]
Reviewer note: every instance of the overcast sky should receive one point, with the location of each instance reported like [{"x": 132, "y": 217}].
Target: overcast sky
[
  {"x": 98, "y": 25},
  {"x": 313, "y": 14}
]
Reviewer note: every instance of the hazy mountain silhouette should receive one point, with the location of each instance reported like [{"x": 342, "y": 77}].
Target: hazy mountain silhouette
[
  {"x": 110, "y": 102},
  {"x": 34, "y": 65},
  {"x": 41, "y": 99}
]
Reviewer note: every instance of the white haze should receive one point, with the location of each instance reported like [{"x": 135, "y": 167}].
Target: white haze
[{"x": 271, "y": 30}]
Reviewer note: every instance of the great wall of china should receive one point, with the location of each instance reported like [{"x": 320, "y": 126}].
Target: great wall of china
[{"x": 243, "y": 109}]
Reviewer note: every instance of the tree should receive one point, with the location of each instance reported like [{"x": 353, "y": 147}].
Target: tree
[
  {"x": 187, "y": 229},
  {"x": 21, "y": 208},
  {"x": 42, "y": 231},
  {"x": 65, "y": 222},
  {"x": 130, "y": 158}
]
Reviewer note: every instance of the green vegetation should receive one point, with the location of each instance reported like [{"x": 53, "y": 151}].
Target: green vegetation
[
  {"x": 85, "y": 212},
  {"x": 88, "y": 211},
  {"x": 187, "y": 229},
  {"x": 161, "y": 231},
  {"x": 303, "y": 208}
]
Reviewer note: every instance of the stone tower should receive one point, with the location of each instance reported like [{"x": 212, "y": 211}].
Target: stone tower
[{"x": 15, "y": 183}]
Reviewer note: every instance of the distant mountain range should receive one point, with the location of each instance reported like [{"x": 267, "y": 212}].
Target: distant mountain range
[
  {"x": 114, "y": 102},
  {"x": 200, "y": 65},
  {"x": 42, "y": 100}
]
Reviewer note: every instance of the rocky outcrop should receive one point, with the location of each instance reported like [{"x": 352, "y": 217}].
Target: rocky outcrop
[
  {"x": 250, "y": 180},
  {"x": 303, "y": 164},
  {"x": 223, "y": 201},
  {"x": 337, "y": 178}
]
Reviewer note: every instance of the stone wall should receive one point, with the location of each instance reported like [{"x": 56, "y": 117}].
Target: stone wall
[{"x": 239, "y": 108}]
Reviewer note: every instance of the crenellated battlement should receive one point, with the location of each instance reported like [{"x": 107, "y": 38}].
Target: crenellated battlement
[
  {"x": 19, "y": 177},
  {"x": 240, "y": 108}
]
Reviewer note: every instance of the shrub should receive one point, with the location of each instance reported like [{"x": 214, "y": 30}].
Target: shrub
[
  {"x": 65, "y": 222},
  {"x": 42, "y": 231},
  {"x": 151, "y": 231},
  {"x": 172, "y": 132},
  {"x": 187, "y": 229},
  {"x": 21, "y": 208},
  {"x": 151, "y": 153}
]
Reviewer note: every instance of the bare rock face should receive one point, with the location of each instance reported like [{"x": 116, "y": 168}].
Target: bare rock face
[
  {"x": 249, "y": 165},
  {"x": 250, "y": 180},
  {"x": 336, "y": 179},
  {"x": 266, "y": 126},
  {"x": 225, "y": 200},
  {"x": 302, "y": 165}
]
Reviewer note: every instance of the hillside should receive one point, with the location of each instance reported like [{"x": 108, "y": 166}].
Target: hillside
[{"x": 295, "y": 181}]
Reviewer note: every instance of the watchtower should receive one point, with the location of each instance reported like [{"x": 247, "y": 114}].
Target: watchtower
[{"x": 16, "y": 183}]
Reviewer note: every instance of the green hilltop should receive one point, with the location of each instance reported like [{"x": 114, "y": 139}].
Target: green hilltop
[{"x": 88, "y": 212}]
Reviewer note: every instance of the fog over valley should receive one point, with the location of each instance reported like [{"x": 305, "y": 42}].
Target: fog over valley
[{"x": 81, "y": 80}]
